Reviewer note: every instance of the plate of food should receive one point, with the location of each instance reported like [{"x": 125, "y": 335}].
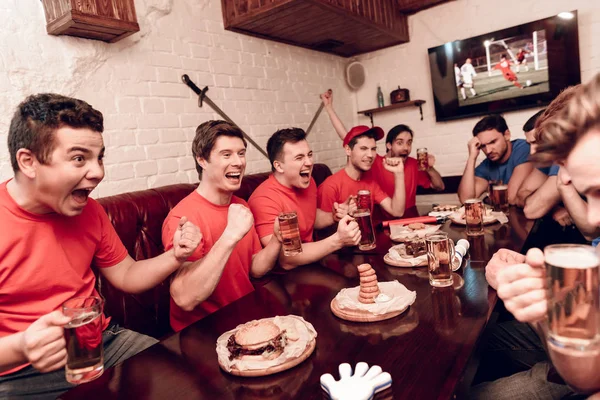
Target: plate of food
[
  {"x": 458, "y": 217},
  {"x": 266, "y": 346},
  {"x": 410, "y": 254},
  {"x": 407, "y": 233}
]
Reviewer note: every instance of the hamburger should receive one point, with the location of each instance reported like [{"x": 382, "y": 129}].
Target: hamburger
[{"x": 257, "y": 341}]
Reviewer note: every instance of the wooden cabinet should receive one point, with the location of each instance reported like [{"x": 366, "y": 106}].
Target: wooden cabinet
[
  {"x": 106, "y": 20},
  {"x": 343, "y": 27}
]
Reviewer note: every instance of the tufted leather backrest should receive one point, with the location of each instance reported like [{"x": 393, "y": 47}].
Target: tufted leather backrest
[{"x": 138, "y": 218}]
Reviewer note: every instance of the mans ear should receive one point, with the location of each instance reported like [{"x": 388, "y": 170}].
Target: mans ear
[
  {"x": 277, "y": 166},
  {"x": 27, "y": 162},
  {"x": 507, "y": 134},
  {"x": 201, "y": 162},
  {"x": 348, "y": 150}
]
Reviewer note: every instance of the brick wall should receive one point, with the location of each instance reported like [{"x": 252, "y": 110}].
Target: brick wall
[
  {"x": 407, "y": 65},
  {"x": 150, "y": 115}
]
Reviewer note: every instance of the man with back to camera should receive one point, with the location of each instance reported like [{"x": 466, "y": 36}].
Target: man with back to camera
[
  {"x": 56, "y": 151},
  {"x": 398, "y": 144},
  {"x": 291, "y": 188},
  {"x": 506, "y": 160},
  {"x": 219, "y": 271}
]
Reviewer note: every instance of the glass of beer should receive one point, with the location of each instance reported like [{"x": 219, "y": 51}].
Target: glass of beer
[
  {"x": 474, "y": 212},
  {"x": 365, "y": 224},
  {"x": 500, "y": 198},
  {"x": 423, "y": 159},
  {"x": 85, "y": 354},
  {"x": 288, "y": 226},
  {"x": 440, "y": 253},
  {"x": 573, "y": 309}
]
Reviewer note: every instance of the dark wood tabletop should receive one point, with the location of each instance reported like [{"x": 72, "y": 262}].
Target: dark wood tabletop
[{"x": 427, "y": 349}]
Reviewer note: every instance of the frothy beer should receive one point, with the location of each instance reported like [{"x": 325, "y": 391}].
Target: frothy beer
[
  {"x": 423, "y": 159},
  {"x": 363, "y": 219},
  {"x": 288, "y": 226},
  {"x": 440, "y": 252},
  {"x": 573, "y": 308},
  {"x": 84, "y": 347},
  {"x": 500, "y": 198}
]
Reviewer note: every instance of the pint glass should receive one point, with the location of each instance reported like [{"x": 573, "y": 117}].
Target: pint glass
[
  {"x": 474, "y": 212},
  {"x": 288, "y": 226},
  {"x": 423, "y": 159},
  {"x": 440, "y": 253},
  {"x": 85, "y": 354},
  {"x": 500, "y": 198},
  {"x": 573, "y": 309},
  {"x": 365, "y": 224}
]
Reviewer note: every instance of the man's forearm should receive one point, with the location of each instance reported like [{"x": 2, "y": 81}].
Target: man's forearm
[
  {"x": 399, "y": 199},
  {"x": 466, "y": 188},
  {"x": 540, "y": 203},
  {"x": 312, "y": 252},
  {"x": 339, "y": 127},
  {"x": 143, "y": 275},
  {"x": 265, "y": 260},
  {"x": 11, "y": 354},
  {"x": 437, "y": 183},
  {"x": 196, "y": 281}
]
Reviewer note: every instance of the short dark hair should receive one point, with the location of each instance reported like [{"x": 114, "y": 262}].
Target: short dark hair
[
  {"x": 279, "y": 139},
  {"x": 395, "y": 131},
  {"x": 206, "y": 137},
  {"x": 530, "y": 124},
  {"x": 34, "y": 123},
  {"x": 494, "y": 121},
  {"x": 368, "y": 134}
]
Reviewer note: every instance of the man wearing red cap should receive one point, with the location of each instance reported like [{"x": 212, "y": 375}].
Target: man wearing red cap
[
  {"x": 398, "y": 144},
  {"x": 361, "y": 149}
]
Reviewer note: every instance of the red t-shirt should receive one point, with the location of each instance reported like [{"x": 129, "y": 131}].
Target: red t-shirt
[
  {"x": 45, "y": 260},
  {"x": 412, "y": 178},
  {"x": 271, "y": 198},
  {"x": 235, "y": 280},
  {"x": 339, "y": 186}
]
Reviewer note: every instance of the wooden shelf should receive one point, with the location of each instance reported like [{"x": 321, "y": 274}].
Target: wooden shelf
[{"x": 413, "y": 103}]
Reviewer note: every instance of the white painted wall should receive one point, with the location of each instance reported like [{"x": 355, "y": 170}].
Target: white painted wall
[
  {"x": 407, "y": 65},
  {"x": 150, "y": 116}
]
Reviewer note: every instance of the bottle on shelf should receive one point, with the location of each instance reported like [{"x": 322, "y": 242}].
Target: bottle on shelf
[{"x": 379, "y": 97}]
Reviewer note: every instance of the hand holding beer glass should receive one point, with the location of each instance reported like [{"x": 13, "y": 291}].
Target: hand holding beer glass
[
  {"x": 83, "y": 335},
  {"x": 288, "y": 226},
  {"x": 474, "y": 212},
  {"x": 440, "y": 253}
]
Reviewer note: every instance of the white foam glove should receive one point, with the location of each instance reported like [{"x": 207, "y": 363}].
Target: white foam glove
[{"x": 363, "y": 385}]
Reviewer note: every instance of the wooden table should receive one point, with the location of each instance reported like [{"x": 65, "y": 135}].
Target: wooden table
[{"x": 427, "y": 349}]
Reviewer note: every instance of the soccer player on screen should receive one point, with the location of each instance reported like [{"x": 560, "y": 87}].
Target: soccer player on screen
[
  {"x": 504, "y": 67},
  {"x": 468, "y": 73},
  {"x": 521, "y": 60}
]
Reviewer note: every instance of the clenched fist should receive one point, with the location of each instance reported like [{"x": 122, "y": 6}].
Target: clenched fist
[
  {"x": 474, "y": 146},
  {"x": 340, "y": 210},
  {"x": 239, "y": 222},
  {"x": 394, "y": 164},
  {"x": 348, "y": 232},
  {"x": 185, "y": 239}
]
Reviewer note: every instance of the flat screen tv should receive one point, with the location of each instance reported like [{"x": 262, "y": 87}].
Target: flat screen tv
[{"x": 514, "y": 68}]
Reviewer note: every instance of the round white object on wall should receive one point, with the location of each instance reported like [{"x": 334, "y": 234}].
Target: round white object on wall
[{"x": 355, "y": 75}]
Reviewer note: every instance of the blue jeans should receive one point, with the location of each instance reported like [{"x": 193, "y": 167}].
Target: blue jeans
[{"x": 28, "y": 383}]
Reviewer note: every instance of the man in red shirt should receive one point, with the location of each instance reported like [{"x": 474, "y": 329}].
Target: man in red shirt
[
  {"x": 219, "y": 271},
  {"x": 361, "y": 149},
  {"x": 398, "y": 143},
  {"x": 291, "y": 188},
  {"x": 52, "y": 232}
]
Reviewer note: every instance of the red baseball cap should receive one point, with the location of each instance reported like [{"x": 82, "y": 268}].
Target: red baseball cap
[{"x": 361, "y": 130}]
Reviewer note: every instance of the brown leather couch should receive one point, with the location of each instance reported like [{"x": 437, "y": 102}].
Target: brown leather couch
[{"x": 138, "y": 218}]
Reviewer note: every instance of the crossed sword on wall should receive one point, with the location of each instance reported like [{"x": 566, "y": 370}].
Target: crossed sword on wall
[{"x": 203, "y": 98}]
